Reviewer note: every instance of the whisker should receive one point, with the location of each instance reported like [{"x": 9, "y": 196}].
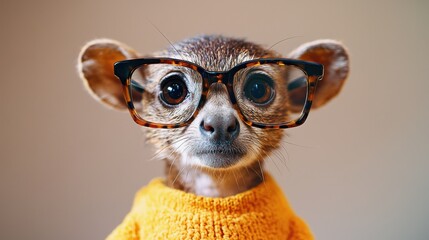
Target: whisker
[
  {"x": 176, "y": 156},
  {"x": 235, "y": 177},
  {"x": 171, "y": 44},
  {"x": 285, "y": 39},
  {"x": 223, "y": 177},
  {"x": 187, "y": 173},
  {"x": 171, "y": 165},
  {"x": 257, "y": 152},
  {"x": 280, "y": 157},
  {"x": 275, "y": 164},
  {"x": 178, "y": 174},
  {"x": 256, "y": 172},
  {"x": 158, "y": 153},
  {"x": 243, "y": 177},
  {"x": 247, "y": 169},
  {"x": 284, "y": 159},
  {"x": 260, "y": 168},
  {"x": 297, "y": 145}
]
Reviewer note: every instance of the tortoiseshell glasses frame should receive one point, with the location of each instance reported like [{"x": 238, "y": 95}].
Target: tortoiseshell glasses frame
[{"x": 124, "y": 70}]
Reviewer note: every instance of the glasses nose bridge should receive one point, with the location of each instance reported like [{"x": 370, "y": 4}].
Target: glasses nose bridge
[
  {"x": 216, "y": 77},
  {"x": 219, "y": 78}
]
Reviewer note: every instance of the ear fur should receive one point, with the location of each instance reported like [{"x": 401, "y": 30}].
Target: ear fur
[
  {"x": 95, "y": 66},
  {"x": 334, "y": 57}
]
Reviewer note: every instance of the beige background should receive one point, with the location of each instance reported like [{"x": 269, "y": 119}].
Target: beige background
[{"x": 69, "y": 167}]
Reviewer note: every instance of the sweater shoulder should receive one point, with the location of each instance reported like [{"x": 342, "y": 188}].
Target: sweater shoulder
[
  {"x": 129, "y": 229},
  {"x": 299, "y": 230}
]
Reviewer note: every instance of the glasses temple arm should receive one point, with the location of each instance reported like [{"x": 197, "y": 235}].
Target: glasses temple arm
[
  {"x": 297, "y": 83},
  {"x": 137, "y": 86}
]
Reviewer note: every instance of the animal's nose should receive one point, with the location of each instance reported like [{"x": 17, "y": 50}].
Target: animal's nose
[{"x": 220, "y": 127}]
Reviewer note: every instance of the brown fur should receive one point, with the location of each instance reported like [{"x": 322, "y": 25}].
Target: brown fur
[{"x": 216, "y": 53}]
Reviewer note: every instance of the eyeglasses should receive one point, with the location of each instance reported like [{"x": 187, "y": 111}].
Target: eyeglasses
[{"x": 266, "y": 93}]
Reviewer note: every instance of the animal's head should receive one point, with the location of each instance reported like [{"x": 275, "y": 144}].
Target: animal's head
[{"x": 216, "y": 111}]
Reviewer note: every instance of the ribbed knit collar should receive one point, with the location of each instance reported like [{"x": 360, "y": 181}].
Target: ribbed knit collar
[{"x": 266, "y": 193}]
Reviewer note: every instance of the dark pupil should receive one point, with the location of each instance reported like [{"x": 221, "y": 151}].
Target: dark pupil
[
  {"x": 175, "y": 90},
  {"x": 258, "y": 90}
]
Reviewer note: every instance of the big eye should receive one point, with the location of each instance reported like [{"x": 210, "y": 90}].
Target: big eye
[
  {"x": 173, "y": 89},
  {"x": 259, "y": 88}
]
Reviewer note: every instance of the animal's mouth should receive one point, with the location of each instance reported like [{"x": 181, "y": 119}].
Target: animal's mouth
[
  {"x": 220, "y": 156},
  {"x": 220, "y": 151}
]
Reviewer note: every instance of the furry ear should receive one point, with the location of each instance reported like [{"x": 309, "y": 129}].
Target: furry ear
[
  {"x": 95, "y": 66},
  {"x": 334, "y": 57}
]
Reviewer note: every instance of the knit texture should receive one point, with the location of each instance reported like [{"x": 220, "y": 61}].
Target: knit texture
[{"x": 160, "y": 212}]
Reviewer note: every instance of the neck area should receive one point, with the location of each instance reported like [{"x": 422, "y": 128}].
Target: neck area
[{"x": 213, "y": 182}]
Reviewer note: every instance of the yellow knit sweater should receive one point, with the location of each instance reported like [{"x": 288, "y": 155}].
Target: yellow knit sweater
[{"x": 160, "y": 212}]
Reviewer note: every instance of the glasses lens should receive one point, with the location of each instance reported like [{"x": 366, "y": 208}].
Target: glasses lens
[
  {"x": 165, "y": 93},
  {"x": 271, "y": 93}
]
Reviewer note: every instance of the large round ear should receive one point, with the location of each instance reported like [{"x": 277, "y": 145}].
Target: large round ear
[
  {"x": 333, "y": 56},
  {"x": 95, "y": 66}
]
